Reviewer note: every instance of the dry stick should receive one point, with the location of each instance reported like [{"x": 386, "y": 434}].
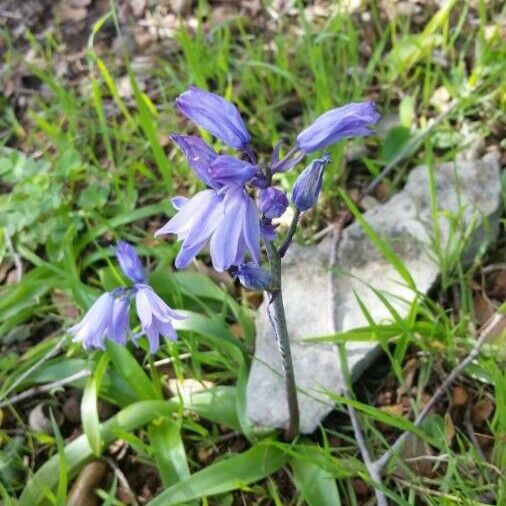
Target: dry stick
[
  {"x": 357, "y": 429},
  {"x": 15, "y": 257},
  {"x": 493, "y": 323},
  {"x": 45, "y": 388}
]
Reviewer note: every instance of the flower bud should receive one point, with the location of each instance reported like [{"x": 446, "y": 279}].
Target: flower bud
[
  {"x": 253, "y": 277},
  {"x": 272, "y": 202},
  {"x": 309, "y": 183},
  {"x": 351, "y": 120},
  {"x": 130, "y": 263},
  {"x": 216, "y": 115}
]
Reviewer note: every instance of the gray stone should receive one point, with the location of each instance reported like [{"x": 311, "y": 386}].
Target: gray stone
[{"x": 466, "y": 191}]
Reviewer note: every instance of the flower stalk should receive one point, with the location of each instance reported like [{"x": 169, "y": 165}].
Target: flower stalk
[{"x": 278, "y": 322}]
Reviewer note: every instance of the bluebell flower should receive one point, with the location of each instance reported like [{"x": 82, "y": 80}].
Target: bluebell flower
[
  {"x": 155, "y": 316},
  {"x": 129, "y": 262},
  {"x": 253, "y": 276},
  {"x": 351, "y": 120},
  {"x": 216, "y": 115},
  {"x": 228, "y": 220},
  {"x": 272, "y": 202},
  {"x": 108, "y": 317},
  {"x": 92, "y": 330},
  {"x": 309, "y": 183},
  {"x": 199, "y": 155}
]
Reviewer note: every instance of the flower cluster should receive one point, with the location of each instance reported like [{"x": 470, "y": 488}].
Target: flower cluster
[
  {"x": 108, "y": 317},
  {"x": 225, "y": 216}
]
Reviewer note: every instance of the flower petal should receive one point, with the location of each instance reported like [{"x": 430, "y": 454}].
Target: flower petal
[
  {"x": 225, "y": 239},
  {"x": 216, "y": 115},
  {"x": 199, "y": 155}
]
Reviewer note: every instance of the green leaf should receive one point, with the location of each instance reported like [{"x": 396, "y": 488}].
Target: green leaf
[
  {"x": 62, "y": 464},
  {"x": 169, "y": 452},
  {"x": 316, "y": 486},
  {"x": 89, "y": 406},
  {"x": 396, "y": 421},
  {"x": 79, "y": 451},
  {"x": 130, "y": 370},
  {"x": 395, "y": 141},
  {"x": 231, "y": 474},
  {"x": 218, "y": 405}
]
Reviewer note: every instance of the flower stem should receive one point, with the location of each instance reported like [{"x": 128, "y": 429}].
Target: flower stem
[
  {"x": 289, "y": 236},
  {"x": 278, "y": 322}
]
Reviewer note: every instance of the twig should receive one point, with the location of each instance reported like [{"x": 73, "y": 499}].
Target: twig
[
  {"x": 278, "y": 322},
  {"x": 123, "y": 481},
  {"x": 493, "y": 323},
  {"x": 343, "y": 358},
  {"x": 468, "y": 425},
  {"x": 44, "y": 388},
  {"x": 15, "y": 257}
]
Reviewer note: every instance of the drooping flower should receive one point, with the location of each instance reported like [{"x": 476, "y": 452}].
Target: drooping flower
[
  {"x": 97, "y": 323},
  {"x": 130, "y": 262},
  {"x": 352, "y": 120},
  {"x": 228, "y": 220},
  {"x": 155, "y": 316},
  {"x": 216, "y": 115},
  {"x": 272, "y": 202},
  {"x": 309, "y": 183},
  {"x": 108, "y": 317},
  {"x": 253, "y": 276}
]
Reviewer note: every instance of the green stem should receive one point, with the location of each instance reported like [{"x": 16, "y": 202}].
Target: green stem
[{"x": 278, "y": 322}]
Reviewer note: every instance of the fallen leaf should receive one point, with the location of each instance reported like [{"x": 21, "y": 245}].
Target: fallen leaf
[
  {"x": 66, "y": 12},
  {"x": 413, "y": 453},
  {"x": 449, "y": 429},
  {"x": 83, "y": 491},
  {"x": 481, "y": 411},
  {"x": 459, "y": 396}
]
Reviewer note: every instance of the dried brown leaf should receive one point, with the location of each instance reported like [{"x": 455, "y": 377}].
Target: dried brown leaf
[
  {"x": 481, "y": 411},
  {"x": 459, "y": 396},
  {"x": 83, "y": 491}
]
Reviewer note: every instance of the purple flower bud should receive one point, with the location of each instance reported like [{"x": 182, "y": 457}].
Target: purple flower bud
[
  {"x": 92, "y": 330},
  {"x": 155, "y": 316},
  {"x": 216, "y": 115},
  {"x": 268, "y": 230},
  {"x": 351, "y": 120},
  {"x": 129, "y": 262},
  {"x": 272, "y": 202},
  {"x": 229, "y": 170},
  {"x": 253, "y": 277},
  {"x": 199, "y": 156},
  {"x": 309, "y": 183}
]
